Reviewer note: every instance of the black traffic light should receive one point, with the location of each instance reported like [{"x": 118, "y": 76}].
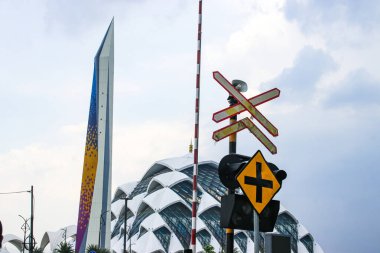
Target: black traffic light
[
  {"x": 237, "y": 210},
  {"x": 231, "y": 164},
  {"x": 228, "y": 168},
  {"x": 269, "y": 215},
  {"x": 237, "y": 213},
  {"x": 279, "y": 174}
]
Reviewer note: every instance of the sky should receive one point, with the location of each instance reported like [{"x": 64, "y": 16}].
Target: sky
[{"x": 322, "y": 55}]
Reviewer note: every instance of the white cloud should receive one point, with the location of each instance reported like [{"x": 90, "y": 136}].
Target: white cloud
[
  {"x": 137, "y": 146},
  {"x": 47, "y": 75},
  {"x": 261, "y": 47},
  {"x": 47, "y": 168},
  {"x": 55, "y": 169}
]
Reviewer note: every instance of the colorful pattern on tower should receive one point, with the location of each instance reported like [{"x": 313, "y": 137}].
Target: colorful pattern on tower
[
  {"x": 95, "y": 196},
  {"x": 89, "y": 167}
]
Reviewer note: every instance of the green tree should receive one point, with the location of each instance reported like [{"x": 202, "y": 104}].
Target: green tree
[
  {"x": 92, "y": 247},
  {"x": 64, "y": 247},
  {"x": 209, "y": 248}
]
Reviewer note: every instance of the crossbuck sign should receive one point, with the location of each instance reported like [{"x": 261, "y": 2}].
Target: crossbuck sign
[{"x": 243, "y": 105}]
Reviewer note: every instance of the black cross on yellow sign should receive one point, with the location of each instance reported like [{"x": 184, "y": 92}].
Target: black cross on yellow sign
[{"x": 258, "y": 182}]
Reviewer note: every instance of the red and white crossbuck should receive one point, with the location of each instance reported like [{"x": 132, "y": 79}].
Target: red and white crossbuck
[{"x": 243, "y": 105}]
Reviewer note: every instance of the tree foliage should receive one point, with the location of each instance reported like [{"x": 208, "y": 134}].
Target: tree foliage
[
  {"x": 64, "y": 247},
  {"x": 38, "y": 250},
  {"x": 94, "y": 248},
  {"x": 208, "y": 249}
]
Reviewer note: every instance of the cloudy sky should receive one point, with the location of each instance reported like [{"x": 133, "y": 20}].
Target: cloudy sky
[{"x": 322, "y": 55}]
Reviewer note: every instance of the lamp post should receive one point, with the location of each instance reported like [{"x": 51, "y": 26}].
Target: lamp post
[
  {"x": 64, "y": 234},
  {"x": 25, "y": 227},
  {"x": 31, "y": 238},
  {"x": 125, "y": 222},
  {"x": 1, "y": 234},
  {"x": 101, "y": 221}
]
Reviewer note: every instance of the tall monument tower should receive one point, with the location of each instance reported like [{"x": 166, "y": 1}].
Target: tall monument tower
[{"x": 94, "y": 218}]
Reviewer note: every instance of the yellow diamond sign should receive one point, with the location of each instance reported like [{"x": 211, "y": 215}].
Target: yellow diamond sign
[{"x": 258, "y": 182}]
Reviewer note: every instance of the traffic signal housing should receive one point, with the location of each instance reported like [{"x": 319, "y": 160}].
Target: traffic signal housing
[
  {"x": 279, "y": 174},
  {"x": 237, "y": 210},
  {"x": 269, "y": 215},
  {"x": 237, "y": 213},
  {"x": 231, "y": 164},
  {"x": 228, "y": 168}
]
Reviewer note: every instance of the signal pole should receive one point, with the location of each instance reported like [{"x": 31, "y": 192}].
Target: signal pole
[
  {"x": 233, "y": 119},
  {"x": 231, "y": 150},
  {"x": 241, "y": 87}
]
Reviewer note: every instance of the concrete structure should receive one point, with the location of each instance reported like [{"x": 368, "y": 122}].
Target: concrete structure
[
  {"x": 50, "y": 238},
  {"x": 53, "y": 239},
  {"x": 95, "y": 197},
  {"x": 12, "y": 240},
  {"x": 159, "y": 215}
]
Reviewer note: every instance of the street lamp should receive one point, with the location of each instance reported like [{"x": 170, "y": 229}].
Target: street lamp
[
  {"x": 64, "y": 234},
  {"x": 101, "y": 222},
  {"x": 32, "y": 241},
  {"x": 25, "y": 227},
  {"x": 126, "y": 198}
]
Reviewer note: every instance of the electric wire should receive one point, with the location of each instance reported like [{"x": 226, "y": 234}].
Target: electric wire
[{"x": 15, "y": 192}]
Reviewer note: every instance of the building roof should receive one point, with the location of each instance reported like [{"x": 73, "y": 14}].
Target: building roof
[{"x": 160, "y": 212}]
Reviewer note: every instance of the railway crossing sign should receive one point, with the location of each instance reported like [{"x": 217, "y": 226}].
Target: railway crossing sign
[
  {"x": 238, "y": 108},
  {"x": 243, "y": 105},
  {"x": 258, "y": 182},
  {"x": 240, "y": 125}
]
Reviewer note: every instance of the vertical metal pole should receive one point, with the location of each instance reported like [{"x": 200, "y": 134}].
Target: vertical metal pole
[
  {"x": 100, "y": 230},
  {"x": 1, "y": 234},
  {"x": 196, "y": 133},
  {"x": 31, "y": 221},
  {"x": 232, "y": 138},
  {"x": 231, "y": 150},
  {"x": 125, "y": 225},
  {"x": 24, "y": 228},
  {"x": 65, "y": 234},
  {"x": 256, "y": 228}
]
